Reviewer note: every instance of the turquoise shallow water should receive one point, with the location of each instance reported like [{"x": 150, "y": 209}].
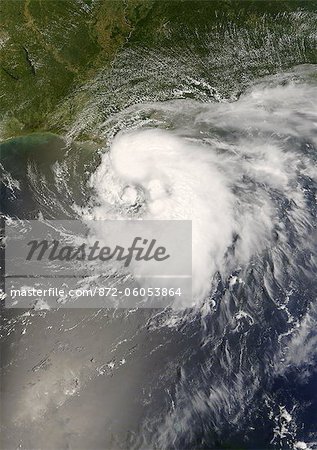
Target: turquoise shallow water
[
  {"x": 239, "y": 371},
  {"x": 50, "y": 175}
]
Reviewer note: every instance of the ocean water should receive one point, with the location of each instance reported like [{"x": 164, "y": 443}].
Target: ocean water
[{"x": 236, "y": 366}]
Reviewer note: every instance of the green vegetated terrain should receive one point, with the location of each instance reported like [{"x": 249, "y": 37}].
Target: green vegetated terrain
[{"x": 49, "y": 49}]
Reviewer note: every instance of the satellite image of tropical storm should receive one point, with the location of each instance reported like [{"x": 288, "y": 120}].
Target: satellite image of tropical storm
[{"x": 158, "y": 224}]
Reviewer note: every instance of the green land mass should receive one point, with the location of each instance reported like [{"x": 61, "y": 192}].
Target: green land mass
[{"x": 50, "y": 49}]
